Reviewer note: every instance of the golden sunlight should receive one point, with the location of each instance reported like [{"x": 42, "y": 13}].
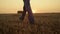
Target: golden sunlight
[
  {"x": 33, "y": 11},
  {"x": 37, "y": 6}
]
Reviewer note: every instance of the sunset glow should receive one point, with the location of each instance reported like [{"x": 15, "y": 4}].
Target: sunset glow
[
  {"x": 33, "y": 11},
  {"x": 38, "y": 6}
]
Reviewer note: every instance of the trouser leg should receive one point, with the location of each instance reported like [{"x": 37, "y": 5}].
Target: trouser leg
[
  {"x": 24, "y": 13},
  {"x": 30, "y": 15}
]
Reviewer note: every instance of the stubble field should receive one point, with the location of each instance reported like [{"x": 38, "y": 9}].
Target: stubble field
[{"x": 45, "y": 23}]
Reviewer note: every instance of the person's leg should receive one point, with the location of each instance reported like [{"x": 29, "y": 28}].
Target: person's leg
[
  {"x": 23, "y": 14},
  {"x": 30, "y": 15}
]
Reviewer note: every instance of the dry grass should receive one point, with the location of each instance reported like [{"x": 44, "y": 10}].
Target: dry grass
[{"x": 48, "y": 23}]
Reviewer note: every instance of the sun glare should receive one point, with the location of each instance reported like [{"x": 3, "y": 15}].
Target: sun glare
[{"x": 33, "y": 11}]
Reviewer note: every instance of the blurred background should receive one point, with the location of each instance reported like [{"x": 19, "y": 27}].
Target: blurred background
[{"x": 38, "y": 6}]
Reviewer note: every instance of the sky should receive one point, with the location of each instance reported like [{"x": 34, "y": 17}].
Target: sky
[{"x": 37, "y": 6}]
